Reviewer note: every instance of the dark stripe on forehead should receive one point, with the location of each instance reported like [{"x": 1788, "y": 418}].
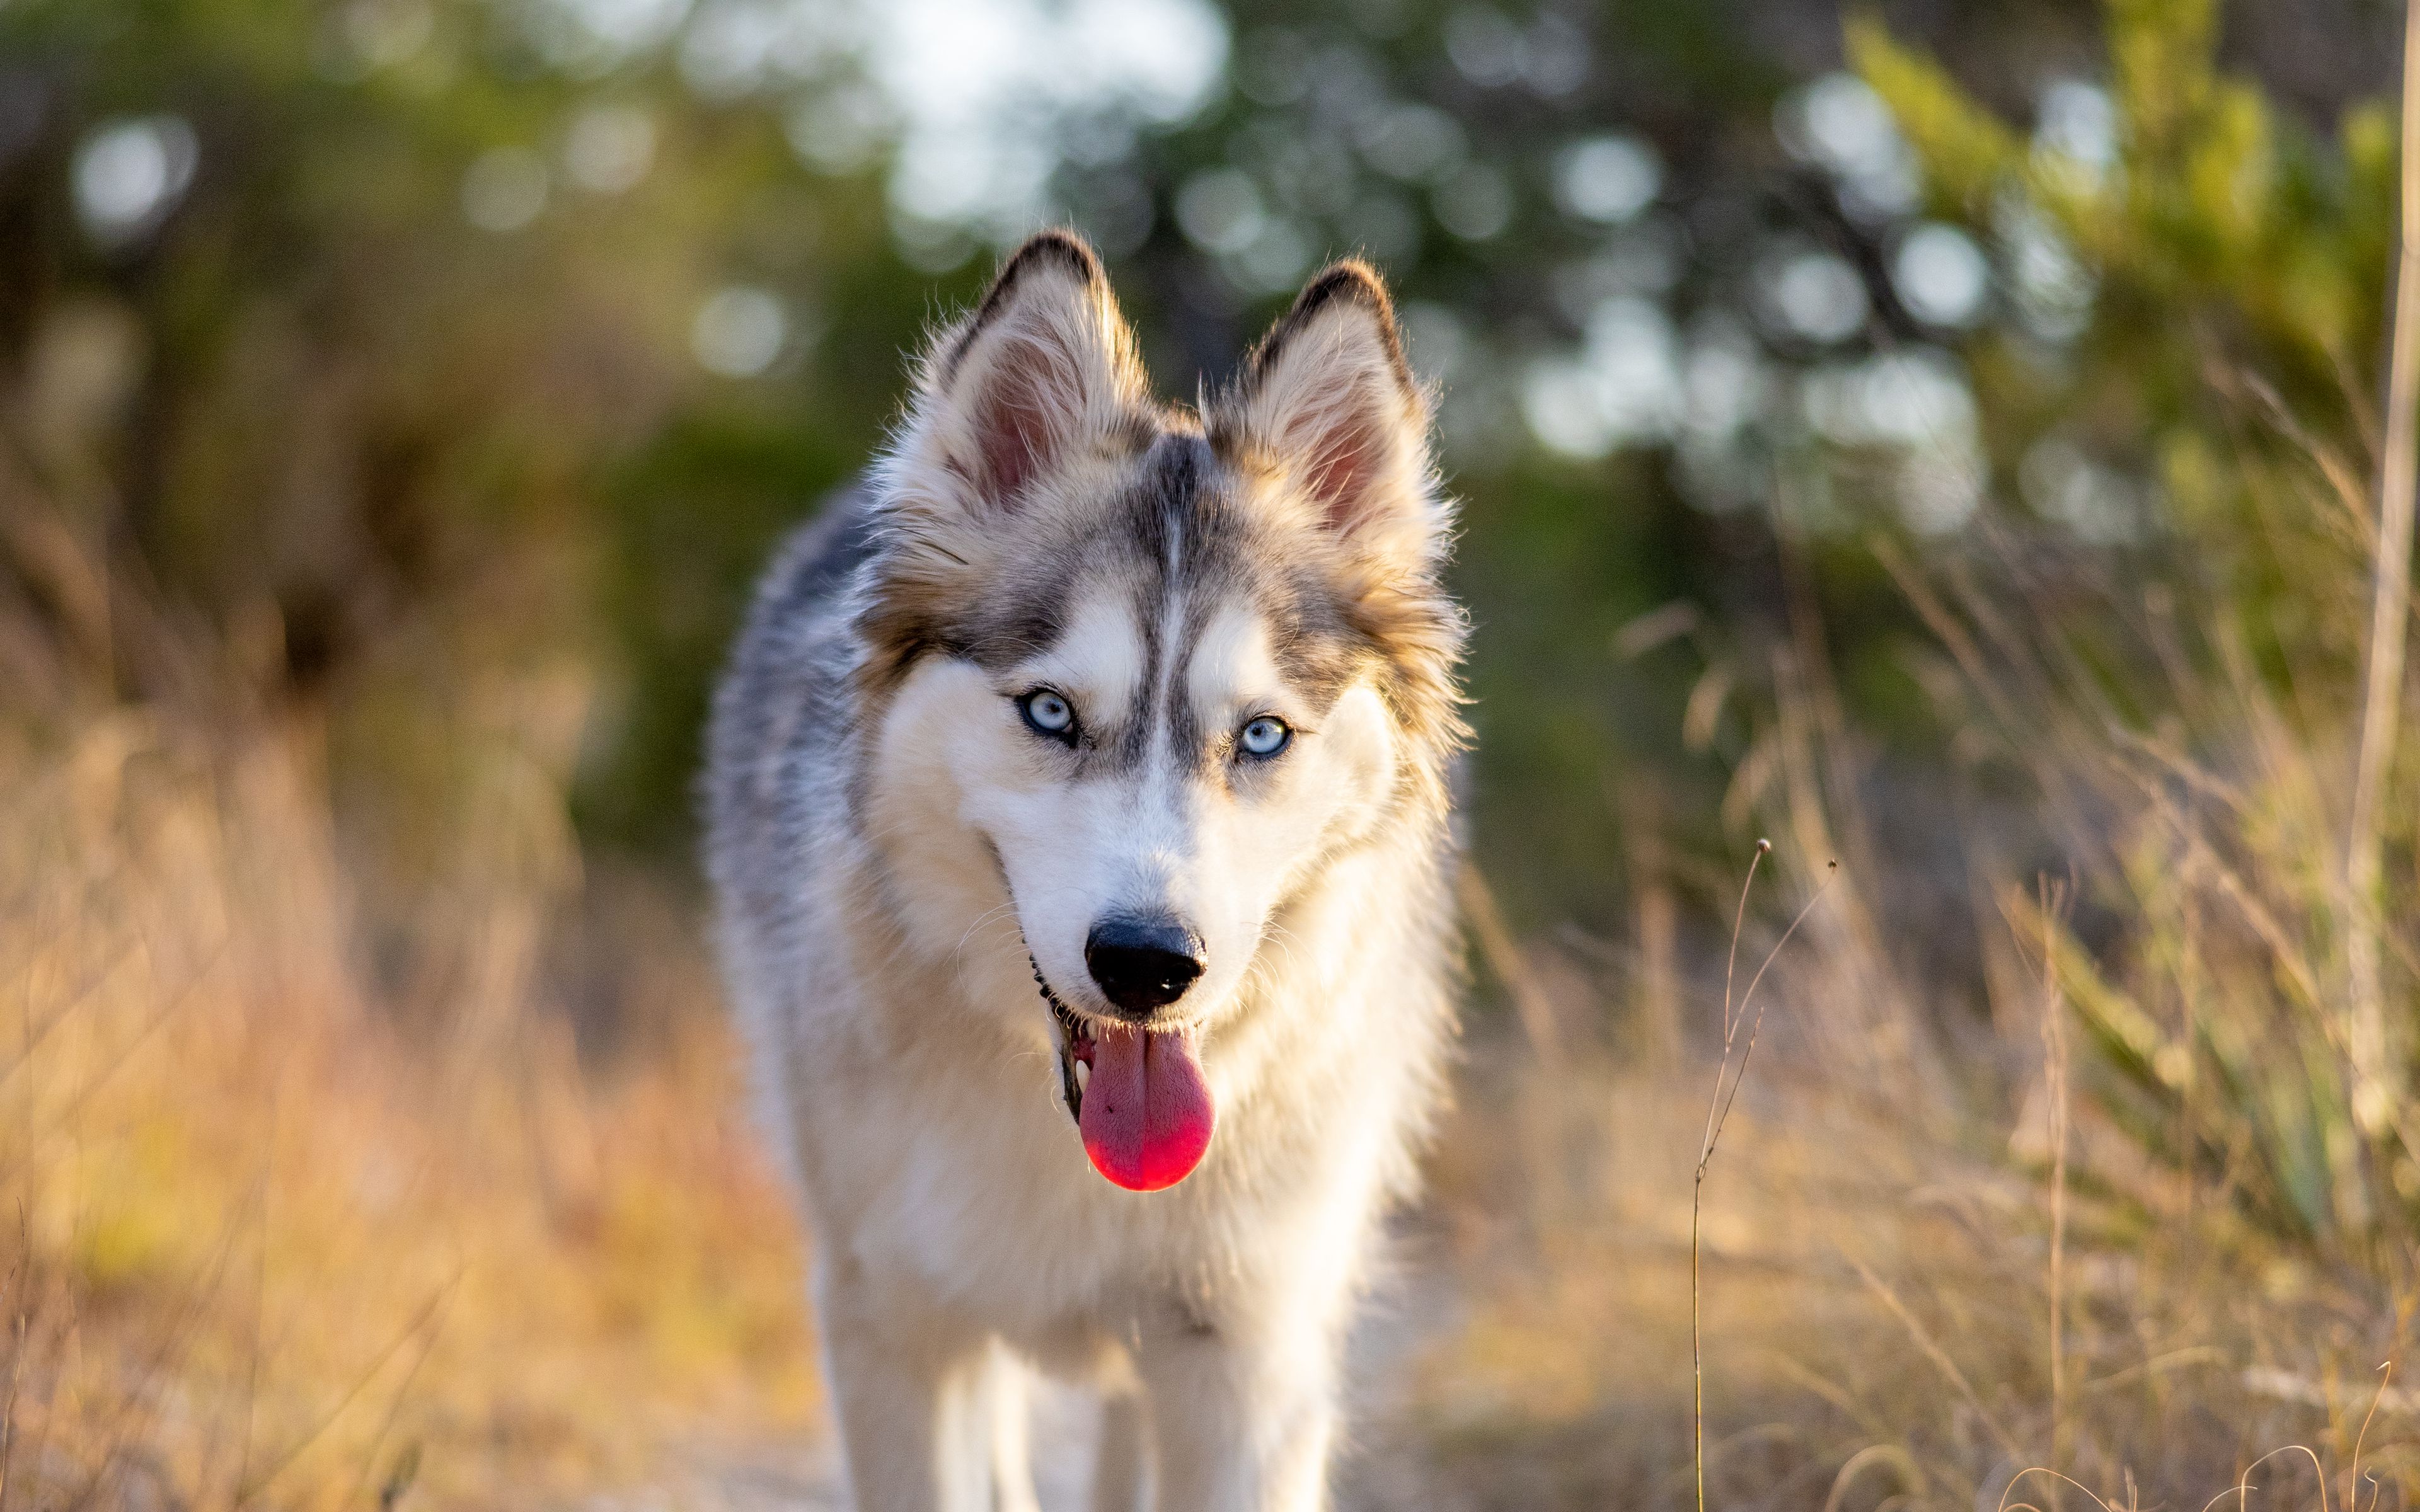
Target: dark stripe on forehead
[
  {"x": 1186, "y": 736},
  {"x": 1166, "y": 513},
  {"x": 1136, "y": 719},
  {"x": 1171, "y": 508},
  {"x": 1178, "y": 465}
]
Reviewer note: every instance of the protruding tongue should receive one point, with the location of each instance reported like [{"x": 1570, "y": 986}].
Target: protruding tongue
[{"x": 1147, "y": 1113}]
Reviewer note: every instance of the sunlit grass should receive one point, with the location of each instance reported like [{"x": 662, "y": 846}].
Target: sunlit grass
[
  {"x": 1877, "y": 1325},
  {"x": 269, "y": 1241}
]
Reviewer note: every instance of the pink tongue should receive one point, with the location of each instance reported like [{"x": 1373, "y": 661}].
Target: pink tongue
[{"x": 1147, "y": 1114}]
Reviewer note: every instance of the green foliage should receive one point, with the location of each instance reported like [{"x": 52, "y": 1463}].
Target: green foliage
[
  {"x": 695, "y": 517},
  {"x": 331, "y": 413},
  {"x": 1966, "y": 149},
  {"x": 2187, "y": 720},
  {"x": 2220, "y": 229}
]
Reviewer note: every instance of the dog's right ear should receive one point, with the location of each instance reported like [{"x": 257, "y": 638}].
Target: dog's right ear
[
  {"x": 1328, "y": 401},
  {"x": 1043, "y": 367}
]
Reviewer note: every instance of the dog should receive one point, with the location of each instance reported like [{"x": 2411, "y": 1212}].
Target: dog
[{"x": 1079, "y": 820}]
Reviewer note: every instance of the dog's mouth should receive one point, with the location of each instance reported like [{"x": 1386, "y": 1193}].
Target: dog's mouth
[
  {"x": 1074, "y": 1044},
  {"x": 1137, "y": 1095}
]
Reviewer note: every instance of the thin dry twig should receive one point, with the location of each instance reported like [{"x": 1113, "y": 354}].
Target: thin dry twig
[
  {"x": 394, "y": 1409},
  {"x": 2242, "y": 1488},
  {"x": 2057, "y": 1478},
  {"x": 1718, "y": 1112},
  {"x": 2352, "y": 1471}
]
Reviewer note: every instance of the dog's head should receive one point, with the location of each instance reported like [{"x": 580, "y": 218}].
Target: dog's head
[{"x": 1149, "y": 670}]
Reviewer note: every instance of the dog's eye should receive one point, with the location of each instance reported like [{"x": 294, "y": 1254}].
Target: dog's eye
[
  {"x": 1048, "y": 712},
  {"x": 1266, "y": 736}
]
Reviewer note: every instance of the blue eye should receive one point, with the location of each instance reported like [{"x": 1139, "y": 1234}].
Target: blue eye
[
  {"x": 1049, "y": 713},
  {"x": 1266, "y": 736}
]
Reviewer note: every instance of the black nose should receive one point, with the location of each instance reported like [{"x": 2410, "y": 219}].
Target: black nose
[{"x": 1141, "y": 962}]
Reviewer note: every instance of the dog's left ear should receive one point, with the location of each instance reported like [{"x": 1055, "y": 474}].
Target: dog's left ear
[{"x": 1327, "y": 399}]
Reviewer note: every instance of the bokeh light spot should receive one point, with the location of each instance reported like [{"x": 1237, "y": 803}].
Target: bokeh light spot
[
  {"x": 503, "y": 189},
  {"x": 2076, "y": 129},
  {"x": 1220, "y": 209},
  {"x": 1940, "y": 276},
  {"x": 1818, "y": 296},
  {"x": 1484, "y": 45},
  {"x": 129, "y": 173},
  {"x": 1475, "y": 203},
  {"x": 610, "y": 148},
  {"x": 1607, "y": 178},
  {"x": 738, "y": 331}
]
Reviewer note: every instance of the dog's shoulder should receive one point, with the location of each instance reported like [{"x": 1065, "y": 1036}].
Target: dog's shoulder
[{"x": 786, "y": 695}]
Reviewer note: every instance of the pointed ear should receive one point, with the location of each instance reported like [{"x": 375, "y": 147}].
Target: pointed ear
[
  {"x": 1043, "y": 365},
  {"x": 1328, "y": 400}
]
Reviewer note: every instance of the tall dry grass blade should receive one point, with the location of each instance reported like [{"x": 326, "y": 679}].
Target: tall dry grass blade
[
  {"x": 421, "y": 1328},
  {"x": 2375, "y": 1084},
  {"x": 2052, "y": 902},
  {"x": 1932, "y": 1352},
  {"x": 1832, "y": 870},
  {"x": 389, "y": 1494},
  {"x": 1910, "y": 1472},
  {"x": 1531, "y": 1003},
  {"x": 20, "y": 1316}
]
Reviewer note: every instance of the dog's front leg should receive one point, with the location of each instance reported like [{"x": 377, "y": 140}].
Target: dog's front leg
[
  {"x": 1243, "y": 1410},
  {"x": 903, "y": 1381}
]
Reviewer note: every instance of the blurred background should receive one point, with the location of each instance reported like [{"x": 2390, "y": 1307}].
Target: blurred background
[{"x": 1942, "y": 438}]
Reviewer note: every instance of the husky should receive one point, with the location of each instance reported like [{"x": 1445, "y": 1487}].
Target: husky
[{"x": 1077, "y": 816}]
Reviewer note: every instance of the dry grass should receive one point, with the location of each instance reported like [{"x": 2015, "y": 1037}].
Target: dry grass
[
  {"x": 271, "y": 1238},
  {"x": 1877, "y": 1326},
  {"x": 2119, "y": 1239}
]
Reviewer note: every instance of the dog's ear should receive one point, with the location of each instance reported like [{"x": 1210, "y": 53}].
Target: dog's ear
[
  {"x": 1328, "y": 400},
  {"x": 1045, "y": 366}
]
